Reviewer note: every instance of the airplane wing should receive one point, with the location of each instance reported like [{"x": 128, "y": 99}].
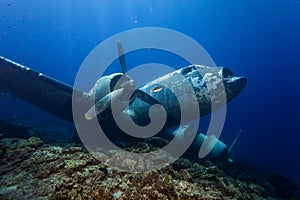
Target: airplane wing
[{"x": 40, "y": 90}]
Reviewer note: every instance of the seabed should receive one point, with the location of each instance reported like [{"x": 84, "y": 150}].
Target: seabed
[{"x": 33, "y": 169}]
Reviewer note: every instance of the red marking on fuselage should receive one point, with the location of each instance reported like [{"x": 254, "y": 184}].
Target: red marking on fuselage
[{"x": 157, "y": 89}]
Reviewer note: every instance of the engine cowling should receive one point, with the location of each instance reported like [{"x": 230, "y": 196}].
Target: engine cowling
[{"x": 106, "y": 85}]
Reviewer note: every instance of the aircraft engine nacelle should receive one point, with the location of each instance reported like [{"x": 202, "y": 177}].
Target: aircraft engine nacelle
[{"x": 106, "y": 85}]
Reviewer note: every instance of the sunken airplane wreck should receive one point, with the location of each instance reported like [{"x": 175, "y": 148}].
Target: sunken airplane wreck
[{"x": 55, "y": 97}]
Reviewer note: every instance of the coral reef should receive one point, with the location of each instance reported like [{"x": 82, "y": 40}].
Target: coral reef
[{"x": 31, "y": 169}]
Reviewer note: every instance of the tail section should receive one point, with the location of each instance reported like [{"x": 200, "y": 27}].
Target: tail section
[{"x": 234, "y": 141}]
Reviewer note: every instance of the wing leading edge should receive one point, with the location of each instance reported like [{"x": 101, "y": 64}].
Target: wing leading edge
[{"x": 40, "y": 90}]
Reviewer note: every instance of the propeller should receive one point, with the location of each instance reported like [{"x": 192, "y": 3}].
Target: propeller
[
  {"x": 121, "y": 57},
  {"x": 121, "y": 93},
  {"x": 137, "y": 92}
]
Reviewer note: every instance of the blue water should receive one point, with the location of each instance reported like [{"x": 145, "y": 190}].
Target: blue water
[{"x": 256, "y": 38}]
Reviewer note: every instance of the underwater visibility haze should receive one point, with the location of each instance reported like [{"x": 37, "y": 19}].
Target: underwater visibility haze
[{"x": 258, "y": 39}]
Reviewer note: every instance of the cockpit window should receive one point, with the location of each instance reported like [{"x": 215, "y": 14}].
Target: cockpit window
[
  {"x": 187, "y": 70},
  {"x": 227, "y": 72}
]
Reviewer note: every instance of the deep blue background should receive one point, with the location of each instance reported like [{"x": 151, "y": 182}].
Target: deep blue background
[{"x": 256, "y": 38}]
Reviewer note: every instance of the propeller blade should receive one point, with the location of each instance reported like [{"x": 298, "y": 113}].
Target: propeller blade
[
  {"x": 137, "y": 93},
  {"x": 145, "y": 97},
  {"x": 121, "y": 56},
  {"x": 102, "y": 104}
]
